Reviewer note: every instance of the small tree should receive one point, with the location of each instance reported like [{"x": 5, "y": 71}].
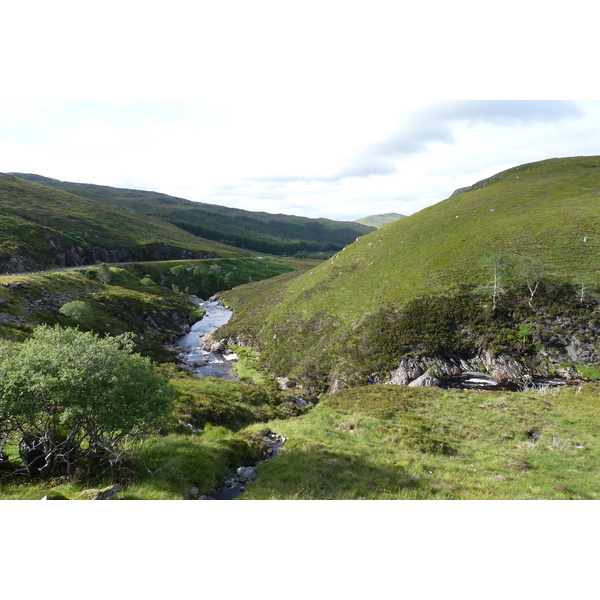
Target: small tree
[
  {"x": 70, "y": 398},
  {"x": 178, "y": 271},
  {"x": 104, "y": 274},
  {"x": 502, "y": 268},
  {"x": 79, "y": 311},
  {"x": 532, "y": 273}
]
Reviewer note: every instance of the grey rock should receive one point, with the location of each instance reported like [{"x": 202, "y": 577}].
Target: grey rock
[{"x": 425, "y": 380}]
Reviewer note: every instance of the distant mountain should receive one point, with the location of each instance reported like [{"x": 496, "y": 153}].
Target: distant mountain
[
  {"x": 542, "y": 216},
  {"x": 379, "y": 221},
  {"x": 259, "y": 231}
]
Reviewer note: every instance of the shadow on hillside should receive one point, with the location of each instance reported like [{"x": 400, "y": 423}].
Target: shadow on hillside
[{"x": 320, "y": 473}]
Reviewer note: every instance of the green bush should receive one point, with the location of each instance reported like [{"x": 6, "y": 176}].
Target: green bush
[
  {"x": 79, "y": 311},
  {"x": 70, "y": 399}
]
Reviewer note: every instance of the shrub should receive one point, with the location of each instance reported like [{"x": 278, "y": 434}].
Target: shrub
[
  {"x": 79, "y": 311},
  {"x": 104, "y": 274},
  {"x": 70, "y": 398}
]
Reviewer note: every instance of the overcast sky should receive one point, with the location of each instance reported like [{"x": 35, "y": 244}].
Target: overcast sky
[{"x": 325, "y": 109}]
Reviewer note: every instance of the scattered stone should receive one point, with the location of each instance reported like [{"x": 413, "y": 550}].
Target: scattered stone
[
  {"x": 285, "y": 383},
  {"x": 188, "y": 425},
  {"x": 194, "y": 492}
]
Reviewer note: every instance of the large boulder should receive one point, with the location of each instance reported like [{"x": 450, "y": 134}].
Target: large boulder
[{"x": 425, "y": 380}]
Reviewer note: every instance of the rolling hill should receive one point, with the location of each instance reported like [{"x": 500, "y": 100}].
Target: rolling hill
[
  {"x": 336, "y": 319},
  {"x": 379, "y": 221},
  {"x": 259, "y": 231},
  {"x": 42, "y": 227}
]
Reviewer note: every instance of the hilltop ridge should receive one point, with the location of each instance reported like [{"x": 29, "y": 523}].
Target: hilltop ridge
[{"x": 44, "y": 227}]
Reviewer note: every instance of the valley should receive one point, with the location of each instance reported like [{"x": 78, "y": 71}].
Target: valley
[{"x": 343, "y": 356}]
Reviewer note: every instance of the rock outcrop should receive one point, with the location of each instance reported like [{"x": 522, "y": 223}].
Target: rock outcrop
[
  {"x": 62, "y": 255},
  {"x": 426, "y": 370}
]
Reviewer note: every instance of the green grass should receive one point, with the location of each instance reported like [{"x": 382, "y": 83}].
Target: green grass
[
  {"x": 394, "y": 442},
  {"x": 541, "y": 212},
  {"x": 231, "y": 404},
  {"x": 155, "y": 312},
  {"x": 168, "y": 466},
  {"x": 165, "y": 468},
  {"x": 178, "y": 457},
  {"x": 377, "y": 442}
]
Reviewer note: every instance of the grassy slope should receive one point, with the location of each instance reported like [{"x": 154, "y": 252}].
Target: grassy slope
[
  {"x": 389, "y": 442},
  {"x": 32, "y": 216},
  {"x": 177, "y": 457},
  {"x": 394, "y": 442},
  {"x": 126, "y": 304},
  {"x": 379, "y": 442},
  {"x": 542, "y": 211},
  {"x": 258, "y": 230}
]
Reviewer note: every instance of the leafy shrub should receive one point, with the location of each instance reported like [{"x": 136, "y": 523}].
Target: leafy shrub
[
  {"x": 79, "y": 311},
  {"x": 70, "y": 398}
]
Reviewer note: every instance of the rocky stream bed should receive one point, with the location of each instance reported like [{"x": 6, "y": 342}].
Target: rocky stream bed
[{"x": 204, "y": 357}]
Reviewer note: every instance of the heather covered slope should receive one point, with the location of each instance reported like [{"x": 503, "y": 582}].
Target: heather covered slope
[
  {"x": 545, "y": 213},
  {"x": 259, "y": 231},
  {"x": 41, "y": 227}
]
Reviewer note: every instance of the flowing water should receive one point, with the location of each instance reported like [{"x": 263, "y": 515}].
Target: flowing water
[{"x": 194, "y": 351}]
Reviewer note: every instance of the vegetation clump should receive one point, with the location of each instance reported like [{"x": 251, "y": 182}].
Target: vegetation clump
[
  {"x": 70, "y": 400},
  {"x": 78, "y": 310}
]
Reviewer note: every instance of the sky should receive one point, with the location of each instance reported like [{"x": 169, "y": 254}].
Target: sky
[{"x": 320, "y": 109}]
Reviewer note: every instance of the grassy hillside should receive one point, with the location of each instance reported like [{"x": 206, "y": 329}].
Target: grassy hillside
[
  {"x": 545, "y": 212},
  {"x": 263, "y": 232},
  {"x": 149, "y": 299},
  {"x": 379, "y": 221},
  {"x": 41, "y": 226},
  {"x": 398, "y": 443}
]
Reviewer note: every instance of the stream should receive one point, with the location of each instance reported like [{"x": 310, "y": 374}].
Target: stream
[
  {"x": 196, "y": 352},
  {"x": 205, "y": 358}
]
